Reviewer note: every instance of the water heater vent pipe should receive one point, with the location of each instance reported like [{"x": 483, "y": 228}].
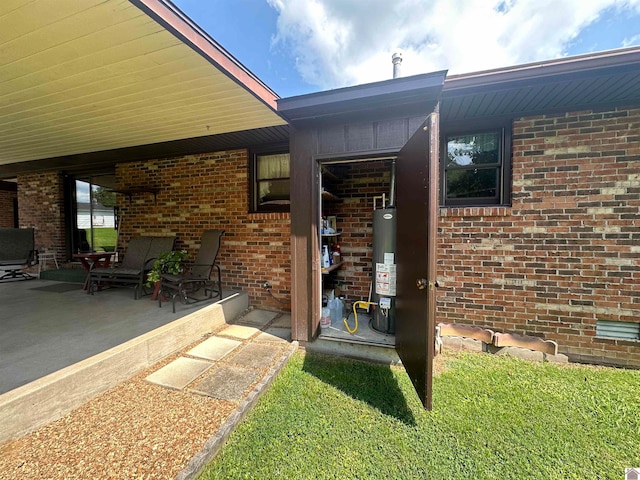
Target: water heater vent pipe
[
  {"x": 392, "y": 190},
  {"x": 396, "y": 59}
]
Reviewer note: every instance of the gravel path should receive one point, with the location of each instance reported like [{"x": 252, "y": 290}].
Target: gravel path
[{"x": 136, "y": 430}]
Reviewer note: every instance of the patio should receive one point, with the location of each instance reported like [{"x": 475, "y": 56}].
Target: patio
[{"x": 60, "y": 346}]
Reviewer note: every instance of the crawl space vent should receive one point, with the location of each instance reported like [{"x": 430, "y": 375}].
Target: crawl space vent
[{"x": 618, "y": 330}]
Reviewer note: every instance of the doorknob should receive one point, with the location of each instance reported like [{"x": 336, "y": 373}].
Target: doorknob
[{"x": 422, "y": 283}]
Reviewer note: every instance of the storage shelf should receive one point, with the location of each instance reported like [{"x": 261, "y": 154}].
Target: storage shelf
[
  {"x": 329, "y": 174},
  {"x": 335, "y": 266},
  {"x": 331, "y": 234},
  {"x": 329, "y": 197},
  {"x": 129, "y": 192}
]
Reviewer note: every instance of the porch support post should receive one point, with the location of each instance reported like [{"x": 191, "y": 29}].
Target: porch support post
[{"x": 305, "y": 316}]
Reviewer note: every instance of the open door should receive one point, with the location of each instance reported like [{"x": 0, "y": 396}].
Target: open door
[{"x": 417, "y": 215}]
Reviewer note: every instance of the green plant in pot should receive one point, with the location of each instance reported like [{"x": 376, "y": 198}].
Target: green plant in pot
[{"x": 171, "y": 262}]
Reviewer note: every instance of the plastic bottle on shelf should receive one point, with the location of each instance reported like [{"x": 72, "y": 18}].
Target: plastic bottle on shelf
[
  {"x": 326, "y": 262},
  {"x": 337, "y": 258}
]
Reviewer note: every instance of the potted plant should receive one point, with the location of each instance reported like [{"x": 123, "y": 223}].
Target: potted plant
[{"x": 171, "y": 262}]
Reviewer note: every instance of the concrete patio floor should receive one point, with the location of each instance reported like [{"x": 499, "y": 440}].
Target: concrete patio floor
[
  {"x": 59, "y": 346},
  {"x": 48, "y": 325}
]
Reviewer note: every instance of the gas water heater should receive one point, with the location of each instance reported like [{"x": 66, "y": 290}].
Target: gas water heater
[{"x": 384, "y": 264}]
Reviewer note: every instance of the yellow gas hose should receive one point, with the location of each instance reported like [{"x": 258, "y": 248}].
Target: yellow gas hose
[{"x": 355, "y": 315}]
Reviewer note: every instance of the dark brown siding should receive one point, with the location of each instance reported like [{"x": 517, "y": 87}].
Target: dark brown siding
[{"x": 310, "y": 144}]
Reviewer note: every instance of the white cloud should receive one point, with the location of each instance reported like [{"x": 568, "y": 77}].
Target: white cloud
[
  {"x": 346, "y": 42},
  {"x": 634, "y": 40}
]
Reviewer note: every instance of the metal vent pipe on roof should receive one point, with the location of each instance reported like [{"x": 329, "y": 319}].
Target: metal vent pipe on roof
[{"x": 396, "y": 59}]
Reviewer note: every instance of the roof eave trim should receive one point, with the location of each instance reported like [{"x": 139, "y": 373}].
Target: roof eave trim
[
  {"x": 627, "y": 58},
  {"x": 404, "y": 90},
  {"x": 174, "y": 20}
]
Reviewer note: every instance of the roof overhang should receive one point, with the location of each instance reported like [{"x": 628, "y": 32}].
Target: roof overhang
[
  {"x": 600, "y": 80},
  {"x": 399, "y": 97},
  {"x": 114, "y": 75}
]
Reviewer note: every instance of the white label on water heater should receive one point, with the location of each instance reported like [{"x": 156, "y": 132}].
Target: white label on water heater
[
  {"x": 389, "y": 258},
  {"x": 386, "y": 279},
  {"x": 387, "y": 216}
]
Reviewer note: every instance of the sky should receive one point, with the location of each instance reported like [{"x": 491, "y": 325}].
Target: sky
[{"x": 305, "y": 46}]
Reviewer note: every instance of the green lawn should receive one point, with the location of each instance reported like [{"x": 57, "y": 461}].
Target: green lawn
[
  {"x": 103, "y": 237},
  {"x": 493, "y": 417}
]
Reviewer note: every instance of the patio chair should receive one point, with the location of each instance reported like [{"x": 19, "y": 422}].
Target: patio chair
[
  {"x": 197, "y": 276},
  {"x": 17, "y": 251},
  {"x": 138, "y": 259}
]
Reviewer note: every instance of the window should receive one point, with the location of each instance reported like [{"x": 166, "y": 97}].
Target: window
[
  {"x": 94, "y": 227},
  {"x": 271, "y": 182},
  {"x": 476, "y": 168}
]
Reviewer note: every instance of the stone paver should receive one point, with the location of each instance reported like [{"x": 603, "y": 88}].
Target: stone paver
[
  {"x": 179, "y": 373},
  {"x": 227, "y": 383},
  {"x": 275, "y": 334},
  {"x": 559, "y": 358},
  {"x": 257, "y": 317},
  {"x": 460, "y": 343},
  {"x": 255, "y": 355},
  {"x": 522, "y": 353},
  {"x": 214, "y": 348},
  {"x": 283, "y": 322},
  {"x": 239, "y": 331}
]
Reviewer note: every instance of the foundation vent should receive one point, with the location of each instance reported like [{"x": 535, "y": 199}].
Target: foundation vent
[{"x": 618, "y": 330}]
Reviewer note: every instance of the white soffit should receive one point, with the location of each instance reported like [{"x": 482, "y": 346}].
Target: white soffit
[{"x": 79, "y": 76}]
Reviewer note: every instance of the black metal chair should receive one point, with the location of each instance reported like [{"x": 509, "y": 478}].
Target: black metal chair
[
  {"x": 17, "y": 251},
  {"x": 197, "y": 276},
  {"x": 138, "y": 259}
]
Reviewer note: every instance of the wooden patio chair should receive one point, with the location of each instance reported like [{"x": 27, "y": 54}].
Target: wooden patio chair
[
  {"x": 17, "y": 252},
  {"x": 138, "y": 260},
  {"x": 197, "y": 276}
]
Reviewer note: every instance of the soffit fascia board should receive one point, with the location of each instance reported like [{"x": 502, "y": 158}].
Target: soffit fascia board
[
  {"x": 594, "y": 81},
  {"x": 104, "y": 75},
  {"x": 579, "y": 67},
  {"x": 105, "y": 160},
  {"x": 385, "y": 99},
  {"x": 184, "y": 28}
]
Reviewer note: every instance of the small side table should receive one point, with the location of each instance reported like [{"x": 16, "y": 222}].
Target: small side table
[
  {"x": 45, "y": 255},
  {"x": 91, "y": 259}
]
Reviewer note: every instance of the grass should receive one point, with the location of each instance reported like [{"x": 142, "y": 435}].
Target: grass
[
  {"x": 493, "y": 417},
  {"x": 103, "y": 238}
]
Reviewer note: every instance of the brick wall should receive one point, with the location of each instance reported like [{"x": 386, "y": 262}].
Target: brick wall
[
  {"x": 567, "y": 252},
  {"x": 41, "y": 206},
  {"x": 199, "y": 192},
  {"x": 6, "y": 208}
]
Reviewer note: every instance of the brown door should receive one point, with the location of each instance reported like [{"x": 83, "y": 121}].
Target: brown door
[{"x": 417, "y": 209}]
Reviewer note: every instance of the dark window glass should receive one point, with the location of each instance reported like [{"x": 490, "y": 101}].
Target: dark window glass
[
  {"x": 475, "y": 149},
  {"x": 476, "y": 183},
  {"x": 271, "y": 190},
  {"x": 473, "y": 168}
]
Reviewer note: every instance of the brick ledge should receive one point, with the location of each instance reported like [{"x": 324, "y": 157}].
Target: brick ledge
[{"x": 474, "y": 211}]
